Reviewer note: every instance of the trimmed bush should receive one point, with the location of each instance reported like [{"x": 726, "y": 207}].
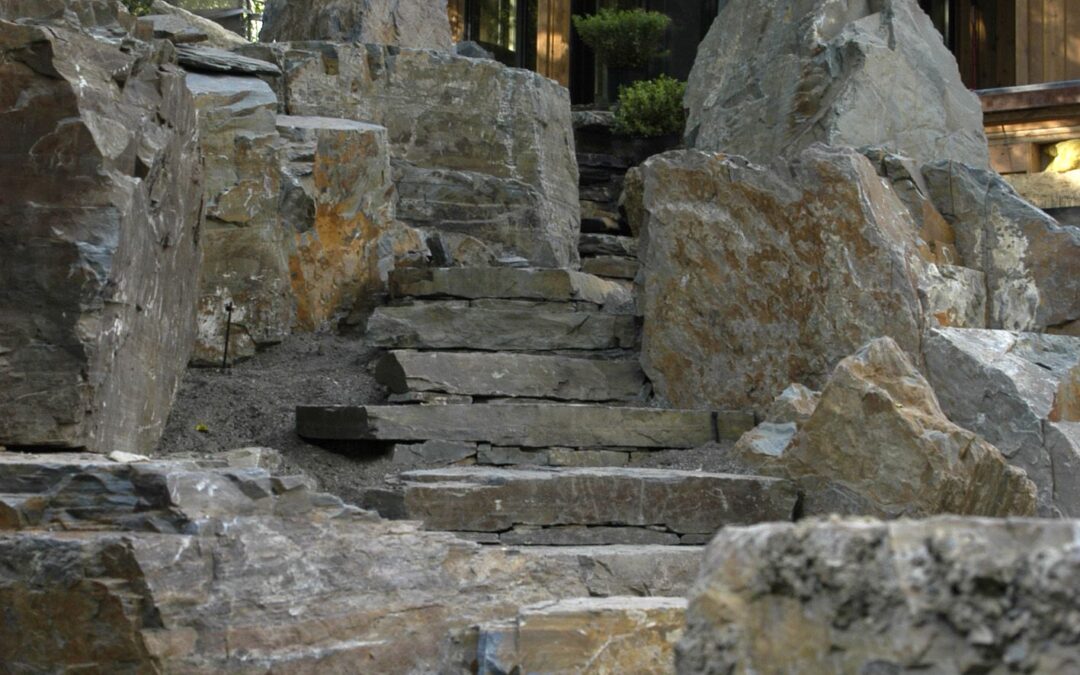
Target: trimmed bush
[
  {"x": 624, "y": 38},
  {"x": 651, "y": 108},
  {"x": 138, "y": 7}
]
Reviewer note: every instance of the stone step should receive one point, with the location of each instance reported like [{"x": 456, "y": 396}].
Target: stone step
[
  {"x": 611, "y": 266},
  {"x": 592, "y": 506},
  {"x": 511, "y": 375},
  {"x": 472, "y": 283},
  {"x": 591, "y": 244},
  {"x": 526, "y": 425},
  {"x": 625, "y": 569},
  {"x": 452, "y": 325},
  {"x": 585, "y": 635}
]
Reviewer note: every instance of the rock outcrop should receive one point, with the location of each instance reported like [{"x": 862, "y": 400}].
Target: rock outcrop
[
  {"x": 214, "y": 34},
  {"x": 99, "y": 232},
  {"x": 421, "y": 24},
  {"x": 1012, "y": 389},
  {"x": 775, "y": 76},
  {"x": 483, "y": 154},
  {"x": 952, "y": 595},
  {"x": 182, "y": 567},
  {"x": 753, "y": 279}
]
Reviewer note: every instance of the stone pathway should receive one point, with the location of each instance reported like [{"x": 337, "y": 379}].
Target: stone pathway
[{"x": 523, "y": 387}]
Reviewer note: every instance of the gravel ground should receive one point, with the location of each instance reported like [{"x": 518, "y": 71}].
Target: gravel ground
[{"x": 252, "y": 404}]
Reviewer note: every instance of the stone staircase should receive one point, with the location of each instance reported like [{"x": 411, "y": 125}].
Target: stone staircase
[{"x": 520, "y": 390}]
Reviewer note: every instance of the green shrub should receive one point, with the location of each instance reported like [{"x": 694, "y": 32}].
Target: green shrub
[
  {"x": 138, "y": 7},
  {"x": 651, "y": 108},
  {"x": 624, "y": 38}
]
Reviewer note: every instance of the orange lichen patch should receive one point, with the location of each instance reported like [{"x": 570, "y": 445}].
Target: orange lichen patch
[{"x": 1067, "y": 400}]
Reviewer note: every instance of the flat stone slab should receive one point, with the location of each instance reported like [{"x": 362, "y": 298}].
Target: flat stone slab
[
  {"x": 627, "y": 570},
  {"x": 555, "y": 285},
  {"x": 594, "y": 635},
  {"x": 213, "y": 60},
  {"x": 514, "y": 375},
  {"x": 527, "y": 425},
  {"x": 594, "y": 244},
  {"x": 450, "y": 326},
  {"x": 616, "y": 267},
  {"x": 481, "y": 499}
]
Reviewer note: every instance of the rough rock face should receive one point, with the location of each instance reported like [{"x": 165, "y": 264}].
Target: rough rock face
[
  {"x": 775, "y": 76},
  {"x": 99, "y": 236},
  {"x": 753, "y": 279},
  {"x": 246, "y": 262},
  {"x": 1011, "y": 388},
  {"x": 99, "y": 16},
  {"x": 422, "y": 24},
  {"x": 175, "y": 567},
  {"x": 950, "y": 595},
  {"x": 215, "y": 34},
  {"x": 1031, "y": 262},
  {"x": 480, "y": 150},
  {"x": 878, "y": 444}
]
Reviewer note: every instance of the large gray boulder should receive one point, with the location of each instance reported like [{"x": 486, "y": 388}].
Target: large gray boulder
[
  {"x": 424, "y": 24},
  {"x": 1013, "y": 389},
  {"x": 947, "y": 595},
  {"x": 753, "y": 278},
  {"x": 99, "y": 237},
  {"x": 479, "y": 150},
  {"x": 775, "y": 76}
]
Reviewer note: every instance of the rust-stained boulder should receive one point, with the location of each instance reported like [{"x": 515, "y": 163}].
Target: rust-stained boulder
[
  {"x": 99, "y": 234},
  {"x": 878, "y": 444},
  {"x": 422, "y": 24},
  {"x": 773, "y": 77},
  {"x": 946, "y": 595},
  {"x": 479, "y": 149},
  {"x": 753, "y": 278}
]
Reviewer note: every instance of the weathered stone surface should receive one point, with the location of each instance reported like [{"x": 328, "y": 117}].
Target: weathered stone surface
[
  {"x": 423, "y": 24},
  {"x": 612, "y": 266},
  {"x": 218, "y": 61},
  {"x": 775, "y": 76},
  {"x": 878, "y": 444},
  {"x": 346, "y": 241},
  {"x": 101, "y": 17},
  {"x": 246, "y": 262},
  {"x": 754, "y": 279},
  {"x": 498, "y": 374},
  {"x": 99, "y": 235},
  {"x": 862, "y": 596},
  {"x": 295, "y": 582},
  {"x": 1031, "y": 262},
  {"x": 1062, "y": 441},
  {"x": 438, "y": 325},
  {"x": 174, "y": 29},
  {"x": 433, "y": 451},
  {"x": 1006, "y": 387},
  {"x": 577, "y": 535},
  {"x": 480, "y": 149},
  {"x": 478, "y": 499},
  {"x": 610, "y": 635},
  {"x": 553, "y": 285},
  {"x": 531, "y": 425},
  {"x": 216, "y": 34},
  {"x": 794, "y": 405},
  {"x": 587, "y": 457},
  {"x": 1048, "y": 189}
]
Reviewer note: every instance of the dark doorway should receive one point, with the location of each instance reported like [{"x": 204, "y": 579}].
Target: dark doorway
[{"x": 507, "y": 28}]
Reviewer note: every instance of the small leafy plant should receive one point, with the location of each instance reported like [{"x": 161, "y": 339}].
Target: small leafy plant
[
  {"x": 624, "y": 38},
  {"x": 138, "y": 7},
  {"x": 651, "y": 108}
]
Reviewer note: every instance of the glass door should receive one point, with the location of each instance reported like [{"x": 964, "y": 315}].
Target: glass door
[{"x": 507, "y": 28}]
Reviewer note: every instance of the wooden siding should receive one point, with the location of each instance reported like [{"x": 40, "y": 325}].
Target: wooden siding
[
  {"x": 456, "y": 10},
  {"x": 1047, "y": 41},
  {"x": 553, "y": 40}
]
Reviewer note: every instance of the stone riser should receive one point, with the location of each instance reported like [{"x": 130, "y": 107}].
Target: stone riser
[{"x": 525, "y": 425}]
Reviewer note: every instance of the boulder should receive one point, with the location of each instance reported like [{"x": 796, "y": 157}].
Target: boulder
[
  {"x": 479, "y": 149},
  {"x": 422, "y": 24},
  {"x": 1010, "y": 388},
  {"x": 345, "y": 240},
  {"x": 244, "y": 284},
  {"x": 105, "y": 18},
  {"x": 99, "y": 236},
  {"x": 773, "y": 77},
  {"x": 946, "y": 595},
  {"x": 1031, "y": 262},
  {"x": 794, "y": 405},
  {"x": 216, "y": 35},
  {"x": 879, "y": 444},
  {"x": 752, "y": 279}
]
